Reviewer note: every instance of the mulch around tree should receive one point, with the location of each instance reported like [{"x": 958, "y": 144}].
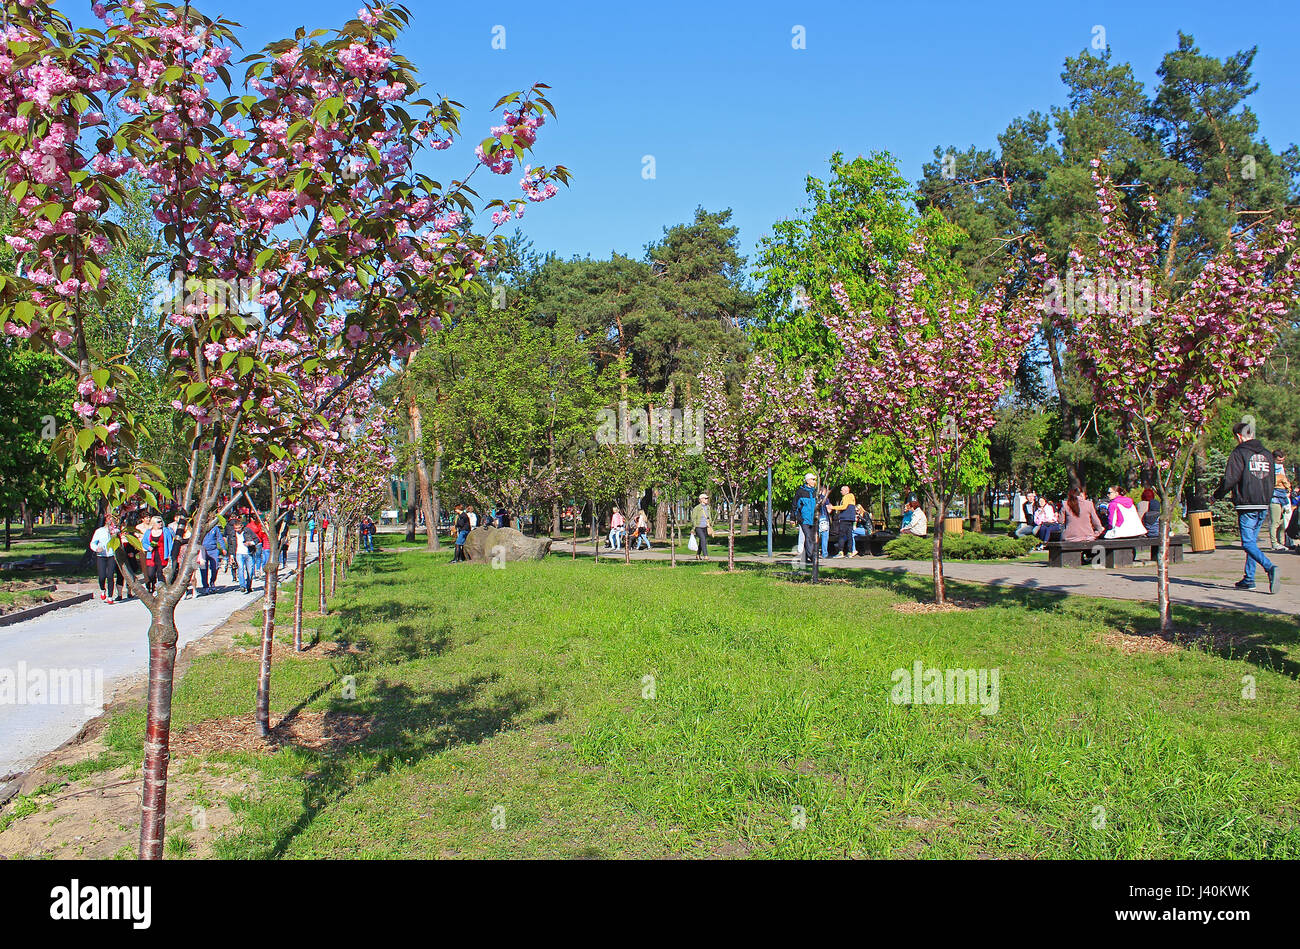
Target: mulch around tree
[
  {"x": 312, "y": 730},
  {"x": 951, "y": 606}
]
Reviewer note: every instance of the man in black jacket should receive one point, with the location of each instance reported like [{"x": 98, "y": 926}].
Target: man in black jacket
[{"x": 1249, "y": 476}]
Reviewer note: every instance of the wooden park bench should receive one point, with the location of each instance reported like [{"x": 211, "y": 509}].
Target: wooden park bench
[{"x": 1118, "y": 551}]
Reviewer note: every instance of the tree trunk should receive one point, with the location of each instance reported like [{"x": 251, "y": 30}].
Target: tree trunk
[
  {"x": 661, "y": 516},
  {"x": 29, "y": 520},
  {"x": 435, "y": 502},
  {"x": 1162, "y": 572},
  {"x": 268, "y": 612},
  {"x": 673, "y": 535},
  {"x": 320, "y": 570},
  {"x": 298, "y": 584},
  {"x": 936, "y": 562},
  {"x": 157, "y": 737},
  {"x": 731, "y": 536},
  {"x": 412, "y": 500},
  {"x": 334, "y": 562}
]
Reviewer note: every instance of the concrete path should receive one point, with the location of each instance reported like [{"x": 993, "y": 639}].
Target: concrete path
[
  {"x": 1204, "y": 579},
  {"x": 95, "y": 648}
]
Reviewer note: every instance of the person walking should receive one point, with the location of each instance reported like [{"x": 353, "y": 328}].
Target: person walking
[
  {"x": 805, "y": 513},
  {"x": 311, "y": 528},
  {"x": 1280, "y": 502},
  {"x": 615, "y": 529},
  {"x": 1248, "y": 476},
  {"x": 367, "y": 534},
  {"x": 155, "y": 546},
  {"x": 462, "y": 528},
  {"x": 642, "y": 530},
  {"x": 110, "y": 575},
  {"x": 702, "y": 524},
  {"x": 214, "y": 547},
  {"x": 246, "y": 546}
]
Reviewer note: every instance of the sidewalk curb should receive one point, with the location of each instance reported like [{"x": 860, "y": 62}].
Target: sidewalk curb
[{"x": 10, "y": 619}]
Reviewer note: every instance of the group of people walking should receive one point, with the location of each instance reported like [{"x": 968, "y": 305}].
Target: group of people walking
[
  {"x": 244, "y": 545},
  {"x": 618, "y": 531}
]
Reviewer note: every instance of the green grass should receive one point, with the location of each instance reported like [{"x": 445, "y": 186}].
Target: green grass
[
  {"x": 522, "y": 695},
  {"x": 60, "y": 544}
]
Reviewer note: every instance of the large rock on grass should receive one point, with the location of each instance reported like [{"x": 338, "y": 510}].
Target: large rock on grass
[{"x": 504, "y": 544}]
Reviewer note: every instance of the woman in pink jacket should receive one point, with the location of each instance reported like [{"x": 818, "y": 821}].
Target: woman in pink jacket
[{"x": 1123, "y": 515}]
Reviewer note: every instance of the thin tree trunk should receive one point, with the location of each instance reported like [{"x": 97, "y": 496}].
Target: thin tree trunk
[
  {"x": 157, "y": 737},
  {"x": 672, "y": 535},
  {"x": 298, "y": 584},
  {"x": 1162, "y": 572},
  {"x": 940, "y": 593},
  {"x": 334, "y": 563},
  {"x": 320, "y": 570},
  {"x": 412, "y": 500},
  {"x": 731, "y": 536},
  {"x": 268, "y": 611},
  {"x": 435, "y": 504}
]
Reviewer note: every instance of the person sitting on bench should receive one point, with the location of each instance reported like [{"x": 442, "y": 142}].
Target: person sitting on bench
[
  {"x": 1151, "y": 512},
  {"x": 1123, "y": 515},
  {"x": 914, "y": 523},
  {"x": 1045, "y": 526},
  {"x": 1079, "y": 518}
]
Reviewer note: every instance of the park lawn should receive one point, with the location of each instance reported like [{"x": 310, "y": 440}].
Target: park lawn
[
  {"x": 56, "y": 542},
  {"x": 523, "y": 694}
]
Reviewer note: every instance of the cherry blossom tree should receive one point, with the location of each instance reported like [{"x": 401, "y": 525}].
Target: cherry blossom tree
[
  {"x": 1158, "y": 355},
  {"x": 290, "y": 208},
  {"x": 927, "y": 369},
  {"x": 746, "y": 426}
]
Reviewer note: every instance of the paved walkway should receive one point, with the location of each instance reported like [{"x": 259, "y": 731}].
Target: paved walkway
[
  {"x": 1204, "y": 579},
  {"x": 109, "y": 642}
]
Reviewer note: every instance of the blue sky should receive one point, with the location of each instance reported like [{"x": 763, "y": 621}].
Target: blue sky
[{"x": 735, "y": 117}]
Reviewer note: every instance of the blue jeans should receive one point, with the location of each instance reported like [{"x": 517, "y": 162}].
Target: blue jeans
[
  {"x": 369, "y": 541},
  {"x": 1249, "y": 522},
  {"x": 826, "y": 537},
  {"x": 246, "y": 564}
]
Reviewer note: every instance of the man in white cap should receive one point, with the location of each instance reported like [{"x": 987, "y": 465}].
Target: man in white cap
[
  {"x": 702, "y": 524},
  {"x": 805, "y": 511}
]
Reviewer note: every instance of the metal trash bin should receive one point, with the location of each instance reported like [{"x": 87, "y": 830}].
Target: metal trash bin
[{"x": 1200, "y": 524}]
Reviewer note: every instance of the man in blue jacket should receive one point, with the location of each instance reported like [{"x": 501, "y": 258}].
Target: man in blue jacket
[
  {"x": 805, "y": 512},
  {"x": 214, "y": 546}
]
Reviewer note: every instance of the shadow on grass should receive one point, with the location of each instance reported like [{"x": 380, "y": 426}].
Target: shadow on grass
[
  {"x": 1267, "y": 641},
  {"x": 408, "y": 725}
]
